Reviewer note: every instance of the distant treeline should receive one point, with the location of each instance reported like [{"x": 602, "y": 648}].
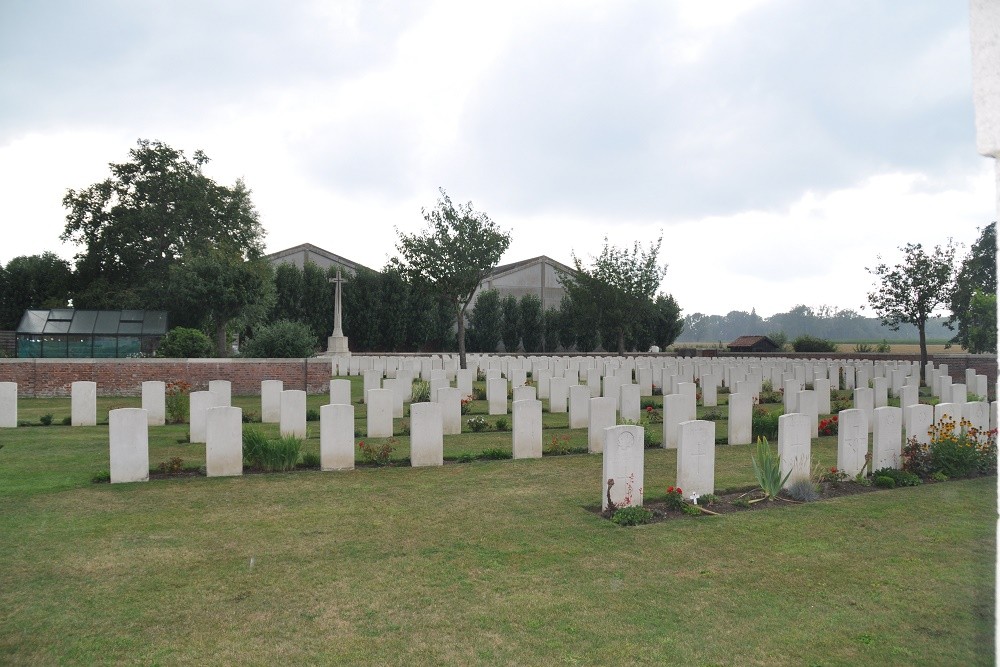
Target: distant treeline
[{"x": 828, "y": 323}]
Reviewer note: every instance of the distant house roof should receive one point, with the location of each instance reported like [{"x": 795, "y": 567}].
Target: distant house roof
[
  {"x": 753, "y": 344},
  {"x": 504, "y": 269},
  {"x": 300, "y": 254}
]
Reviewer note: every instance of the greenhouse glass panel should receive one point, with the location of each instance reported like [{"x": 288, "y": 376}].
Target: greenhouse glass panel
[
  {"x": 81, "y": 347},
  {"x": 132, "y": 328},
  {"x": 132, "y": 315},
  {"x": 155, "y": 322},
  {"x": 105, "y": 346},
  {"x": 33, "y": 321},
  {"x": 107, "y": 322},
  {"x": 29, "y": 347},
  {"x": 83, "y": 322},
  {"x": 56, "y": 327},
  {"x": 128, "y": 346},
  {"x": 61, "y": 314},
  {"x": 54, "y": 346}
]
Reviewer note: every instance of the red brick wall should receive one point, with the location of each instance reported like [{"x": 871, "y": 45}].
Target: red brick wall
[{"x": 124, "y": 377}]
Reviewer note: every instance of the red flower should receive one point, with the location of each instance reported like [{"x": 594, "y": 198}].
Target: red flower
[
  {"x": 649, "y": 408},
  {"x": 679, "y": 492},
  {"x": 361, "y": 443},
  {"x": 833, "y": 469},
  {"x": 670, "y": 489}
]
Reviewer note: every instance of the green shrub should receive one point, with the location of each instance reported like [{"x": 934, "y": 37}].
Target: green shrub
[
  {"x": 310, "y": 460},
  {"x": 46, "y": 419},
  {"x": 899, "y": 477},
  {"x": 421, "y": 392},
  {"x": 939, "y": 476},
  {"x": 691, "y": 510},
  {"x": 954, "y": 458},
  {"x": 67, "y": 421},
  {"x": 633, "y": 515},
  {"x": 740, "y": 502},
  {"x": 281, "y": 340},
  {"x": 312, "y": 415},
  {"x": 496, "y": 454},
  {"x": 503, "y": 424},
  {"x": 377, "y": 455},
  {"x": 863, "y": 348},
  {"x": 884, "y": 482},
  {"x": 477, "y": 424},
  {"x": 813, "y": 344},
  {"x": 270, "y": 455},
  {"x": 185, "y": 343},
  {"x": 171, "y": 466},
  {"x": 101, "y": 477},
  {"x": 764, "y": 423},
  {"x": 249, "y": 417},
  {"x": 674, "y": 499}
]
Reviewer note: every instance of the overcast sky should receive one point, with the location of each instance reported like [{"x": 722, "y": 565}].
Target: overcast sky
[{"x": 778, "y": 146}]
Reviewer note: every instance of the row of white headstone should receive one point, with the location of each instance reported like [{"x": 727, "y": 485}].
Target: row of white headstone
[{"x": 622, "y": 481}]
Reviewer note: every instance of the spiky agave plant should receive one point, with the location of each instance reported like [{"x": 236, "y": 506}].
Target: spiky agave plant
[{"x": 767, "y": 470}]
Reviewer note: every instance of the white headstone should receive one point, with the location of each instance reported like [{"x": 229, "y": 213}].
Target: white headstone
[
  {"x": 426, "y": 435},
  {"x": 794, "y": 447},
  {"x": 645, "y": 381},
  {"x": 822, "y": 388},
  {"x": 527, "y": 429},
  {"x": 806, "y": 401},
  {"x": 959, "y": 393},
  {"x": 623, "y": 463},
  {"x": 450, "y": 400},
  {"x": 880, "y": 392},
  {"x": 676, "y": 409},
  {"x": 864, "y": 400},
  {"x": 740, "y": 430},
  {"x": 8, "y": 404},
  {"x": 154, "y": 402},
  {"x": 372, "y": 380},
  {"x": 629, "y": 402},
  {"x": 340, "y": 392},
  {"x": 293, "y": 413},
  {"x": 542, "y": 378},
  {"x": 128, "y": 431},
  {"x": 579, "y": 406},
  {"x": 200, "y": 402},
  {"x": 918, "y": 419},
  {"x": 951, "y": 411},
  {"x": 524, "y": 393},
  {"x": 696, "y": 456},
  {"x": 223, "y": 390},
  {"x": 690, "y": 391},
  {"x": 887, "y": 438},
  {"x": 602, "y": 415},
  {"x": 852, "y": 441},
  {"x": 496, "y": 395},
  {"x": 558, "y": 395},
  {"x": 270, "y": 401},
  {"x": 709, "y": 393},
  {"x": 83, "y": 403},
  {"x": 336, "y": 436},
  {"x": 223, "y": 441},
  {"x": 463, "y": 381},
  {"x": 978, "y": 415},
  {"x": 908, "y": 395},
  {"x": 380, "y": 403}
]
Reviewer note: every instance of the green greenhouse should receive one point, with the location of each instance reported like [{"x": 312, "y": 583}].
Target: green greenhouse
[{"x": 81, "y": 334}]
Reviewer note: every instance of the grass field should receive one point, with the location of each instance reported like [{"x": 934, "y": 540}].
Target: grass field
[{"x": 500, "y": 562}]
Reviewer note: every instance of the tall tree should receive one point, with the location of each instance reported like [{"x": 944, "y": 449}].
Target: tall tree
[
  {"x": 485, "y": 322},
  {"x": 913, "y": 289},
  {"x": 532, "y": 323},
  {"x": 973, "y": 301},
  {"x": 455, "y": 252},
  {"x": 617, "y": 288},
  {"x": 215, "y": 287},
  {"x": 35, "y": 281},
  {"x": 153, "y": 210},
  {"x": 510, "y": 327}
]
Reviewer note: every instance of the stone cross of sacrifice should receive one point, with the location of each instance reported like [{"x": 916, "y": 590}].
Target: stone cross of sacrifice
[{"x": 337, "y": 327}]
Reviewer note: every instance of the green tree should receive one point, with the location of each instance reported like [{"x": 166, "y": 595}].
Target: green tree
[
  {"x": 153, "y": 210},
  {"x": 485, "y": 322},
  {"x": 35, "y": 281},
  {"x": 185, "y": 343},
  {"x": 455, "y": 252},
  {"x": 552, "y": 321},
  {"x": 910, "y": 291},
  {"x": 287, "y": 293},
  {"x": 567, "y": 328},
  {"x": 532, "y": 323},
  {"x": 317, "y": 301},
  {"x": 616, "y": 289},
  {"x": 666, "y": 322},
  {"x": 281, "y": 340},
  {"x": 213, "y": 288},
  {"x": 973, "y": 300},
  {"x": 510, "y": 331}
]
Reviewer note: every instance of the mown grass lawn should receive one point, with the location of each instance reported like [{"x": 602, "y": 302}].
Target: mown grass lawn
[{"x": 498, "y": 562}]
